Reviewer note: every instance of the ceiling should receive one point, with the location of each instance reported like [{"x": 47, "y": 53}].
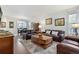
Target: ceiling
[{"x": 33, "y": 10}]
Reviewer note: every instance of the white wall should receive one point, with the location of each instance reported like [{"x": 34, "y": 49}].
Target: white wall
[
  {"x": 60, "y": 15},
  {"x": 55, "y": 16},
  {"x": 7, "y": 19},
  {"x": 63, "y": 14}
]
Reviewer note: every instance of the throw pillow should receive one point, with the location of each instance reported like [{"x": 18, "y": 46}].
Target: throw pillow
[
  {"x": 55, "y": 33},
  {"x": 48, "y": 32}
]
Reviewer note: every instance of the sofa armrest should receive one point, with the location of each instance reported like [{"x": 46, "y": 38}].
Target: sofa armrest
[{"x": 64, "y": 48}]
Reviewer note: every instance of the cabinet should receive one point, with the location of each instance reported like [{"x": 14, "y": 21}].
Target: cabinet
[{"x": 6, "y": 44}]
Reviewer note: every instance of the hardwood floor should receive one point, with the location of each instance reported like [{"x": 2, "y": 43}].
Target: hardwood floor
[
  {"x": 23, "y": 47},
  {"x": 18, "y": 47}
]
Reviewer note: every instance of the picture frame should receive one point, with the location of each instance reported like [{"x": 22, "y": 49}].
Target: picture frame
[
  {"x": 11, "y": 24},
  {"x": 2, "y": 24},
  {"x": 60, "y": 22},
  {"x": 48, "y": 21}
]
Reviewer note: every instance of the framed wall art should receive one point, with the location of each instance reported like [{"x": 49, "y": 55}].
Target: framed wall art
[
  {"x": 2, "y": 24},
  {"x": 48, "y": 21},
  {"x": 11, "y": 24},
  {"x": 60, "y": 22}
]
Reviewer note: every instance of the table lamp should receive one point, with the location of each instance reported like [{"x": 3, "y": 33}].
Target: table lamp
[
  {"x": 40, "y": 28},
  {"x": 75, "y": 27}
]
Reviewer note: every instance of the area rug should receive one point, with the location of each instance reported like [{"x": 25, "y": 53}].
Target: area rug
[{"x": 35, "y": 49}]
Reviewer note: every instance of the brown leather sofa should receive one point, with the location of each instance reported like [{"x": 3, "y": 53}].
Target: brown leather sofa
[
  {"x": 58, "y": 37},
  {"x": 68, "y": 46}
]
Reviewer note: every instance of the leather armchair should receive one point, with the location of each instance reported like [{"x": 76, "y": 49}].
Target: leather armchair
[
  {"x": 22, "y": 30},
  {"x": 28, "y": 34},
  {"x": 19, "y": 30}
]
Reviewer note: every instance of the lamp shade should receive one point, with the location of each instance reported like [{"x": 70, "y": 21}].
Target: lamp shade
[
  {"x": 75, "y": 25},
  {"x": 40, "y": 26}
]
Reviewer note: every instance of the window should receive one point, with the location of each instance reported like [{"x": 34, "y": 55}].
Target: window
[
  {"x": 72, "y": 19},
  {"x": 21, "y": 24}
]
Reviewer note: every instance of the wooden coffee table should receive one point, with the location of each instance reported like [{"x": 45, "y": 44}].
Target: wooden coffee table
[{"x": 44, "y": 41}]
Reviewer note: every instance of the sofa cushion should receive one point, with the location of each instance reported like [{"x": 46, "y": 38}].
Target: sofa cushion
[
  {"x": 71, "y": 42},
  {"x": 54, "y": 33}
]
